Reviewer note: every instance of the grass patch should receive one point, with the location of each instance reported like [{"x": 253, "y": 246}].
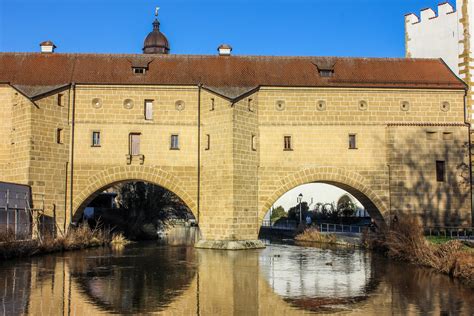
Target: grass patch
[
  {"x": 313, "y": 235},
  {"x": 438, "y": 240}
]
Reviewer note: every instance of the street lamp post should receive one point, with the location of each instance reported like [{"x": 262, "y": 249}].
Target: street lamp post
[{"x": 299, "y": 199}]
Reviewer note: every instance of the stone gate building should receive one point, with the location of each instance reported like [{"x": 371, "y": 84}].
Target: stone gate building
[{"x": 231, "y": 134}]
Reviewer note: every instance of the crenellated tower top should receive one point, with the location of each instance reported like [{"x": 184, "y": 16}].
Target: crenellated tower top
[{"x": 427, "y": 14}]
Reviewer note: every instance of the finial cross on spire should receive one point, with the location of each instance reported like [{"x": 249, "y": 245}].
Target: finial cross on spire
[{"x": 156, "y": 11}]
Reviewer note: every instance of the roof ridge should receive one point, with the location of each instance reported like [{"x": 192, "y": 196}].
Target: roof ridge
[
  {"x": 170, "y": 56},
  {"x": 225, "y": 71}
]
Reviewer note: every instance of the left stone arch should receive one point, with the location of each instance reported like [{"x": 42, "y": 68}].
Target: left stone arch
[{"x": 114, "y": 175}]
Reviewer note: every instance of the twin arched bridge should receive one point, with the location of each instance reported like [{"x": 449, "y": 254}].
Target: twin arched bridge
[
  {"x": 277, "y": 184},
  {"x": 230, "y": 134}
]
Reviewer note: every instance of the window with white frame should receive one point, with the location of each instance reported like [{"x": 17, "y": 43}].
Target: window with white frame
[
  {"x": 95, "y": 139},
  {"x": 352, "y": 141},
  {"x": 287, "y": 145},
  {"x": 148, "y": 109},
  {"x": 174, "y": 142},
  {"x": 134, "y": 144}
]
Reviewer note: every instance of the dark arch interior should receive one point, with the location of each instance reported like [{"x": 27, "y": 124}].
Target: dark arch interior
[{"x": 138, "y": 209}]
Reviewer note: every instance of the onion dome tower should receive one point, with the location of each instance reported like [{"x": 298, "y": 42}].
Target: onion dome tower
[{"x": 156, "y": 42}]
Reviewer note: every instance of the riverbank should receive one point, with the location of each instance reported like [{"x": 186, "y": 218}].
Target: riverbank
[
  {"x": 404, "y": 241},
  {"x": 78, "y": 238},
  {"x": 314, "y": 236}
]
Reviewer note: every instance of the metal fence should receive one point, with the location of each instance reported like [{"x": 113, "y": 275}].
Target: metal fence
[
  {"x": 284, "y": 225},
  {"x": 340, "y": 228},
  {"x": 15, "y": 222},
  {"x": 15, "y": 214},
  {"x": 323, "y": 227},
  {"x": 450, "y": 232},
  {"x": 439, "y": 231}
]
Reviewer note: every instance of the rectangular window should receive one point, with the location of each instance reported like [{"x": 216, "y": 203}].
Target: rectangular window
[
  {"x": 287, "y": 143},
  {"x": 440, "y": 171},
  {"x": 254, "y": 142},
  {"x": 447, "y": 136},
  {"x": 431, "y": 135},
  {"x": 60, "y": 136},
  {"x": 60, "y": 99},
  {"x": 250, "y": 105},
  {"x": 134, "y": 144},
  {"x": 174, "y": 142},
  {"x": 148, "y": 109},
  {"x": 208, "y": 142},
  {"x": 212, "y": 104},
  {"x": 326, "y": 73},
  {"x": 95, "y": 139},
  {"x": 352, "y": 141},
  {"x": 139, "y": 70}
]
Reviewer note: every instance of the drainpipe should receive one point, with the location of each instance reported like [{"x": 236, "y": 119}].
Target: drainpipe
[
  {"x": 469, "y": 130},
  {"x": 389, "y": 193},
  {"x": 65, "y": 196},
  {"x": 470, "y": 173},
  {"x": 199, "y": 156},
  {"x": 71, "y": 177}
]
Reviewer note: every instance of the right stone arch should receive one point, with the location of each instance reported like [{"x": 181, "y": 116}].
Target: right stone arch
[{"x": 349, "y": 181}]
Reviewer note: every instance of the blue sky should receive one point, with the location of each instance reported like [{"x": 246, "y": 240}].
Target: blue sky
[{"x": 372, "y": 28}]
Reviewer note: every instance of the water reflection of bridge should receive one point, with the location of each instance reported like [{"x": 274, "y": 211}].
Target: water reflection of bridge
[{"x": 277, "y": 280}]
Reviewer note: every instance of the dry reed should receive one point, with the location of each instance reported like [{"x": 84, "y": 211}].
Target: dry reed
[
  {"x": 119, "y": 240},
  {"x": 76, "y": 238},
  {"x": 405, "y": 241}
]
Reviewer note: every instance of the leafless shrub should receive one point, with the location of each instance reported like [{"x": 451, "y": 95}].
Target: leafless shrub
[
  {"x": 405, "y": 241},
  {"x": 76, "y": 238}
]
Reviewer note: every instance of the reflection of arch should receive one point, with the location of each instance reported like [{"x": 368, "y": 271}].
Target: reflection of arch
[
  {"x": 114, "y": 175},
  {"x": 102, "y": 278},
  {"x": 352, "y": 182},
  {"x": 352, "y": 279}
]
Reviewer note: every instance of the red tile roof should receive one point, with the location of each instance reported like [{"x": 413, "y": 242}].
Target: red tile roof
[{"x": 31, "y": 69}]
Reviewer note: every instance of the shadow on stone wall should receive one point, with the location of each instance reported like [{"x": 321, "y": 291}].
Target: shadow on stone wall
[{"x": 414, "y": 185}]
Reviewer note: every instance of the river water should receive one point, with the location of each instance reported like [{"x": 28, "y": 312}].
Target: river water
[{"x": 173, "y": 278}]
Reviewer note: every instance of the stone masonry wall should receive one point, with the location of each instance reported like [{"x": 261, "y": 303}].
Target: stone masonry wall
[
  {"x": 96, "y": 168},
  {"x": 320, "y": 139},
  {"x": 15, "y": 136},
  {"x": 48, "y": 165},
  {"x": 413, "y": 152},
  {"x": 245, "y": 118},
  {"x": 217, "y": 169},
  {"x": 239, "y": 183}
]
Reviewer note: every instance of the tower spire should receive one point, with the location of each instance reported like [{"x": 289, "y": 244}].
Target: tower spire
[
  {"x": 156, "y": 23},
  {"x": 156, "y": 42}
]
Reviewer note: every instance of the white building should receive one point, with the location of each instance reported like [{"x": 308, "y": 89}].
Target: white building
[{"x": 445, "y": 34}]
